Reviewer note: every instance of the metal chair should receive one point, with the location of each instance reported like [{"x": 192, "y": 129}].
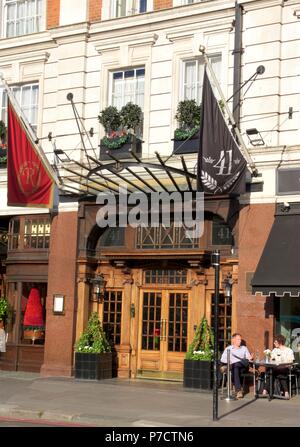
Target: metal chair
[{"x": 293, "y": 374}]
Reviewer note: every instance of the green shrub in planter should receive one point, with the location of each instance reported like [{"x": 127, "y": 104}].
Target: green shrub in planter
[
  {"x": 198, "y": 371},
  {"x": 110, "y": 119}
]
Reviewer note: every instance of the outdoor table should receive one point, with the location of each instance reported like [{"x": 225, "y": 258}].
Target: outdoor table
[{"x": 270, "y": 366}]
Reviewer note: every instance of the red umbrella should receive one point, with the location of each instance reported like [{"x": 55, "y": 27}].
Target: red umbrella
[{"x": 34, "y": 310}]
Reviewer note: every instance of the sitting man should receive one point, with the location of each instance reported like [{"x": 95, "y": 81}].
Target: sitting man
[
  {"x": 281, "y": 354},
  {"x": 239, "y": 357}
]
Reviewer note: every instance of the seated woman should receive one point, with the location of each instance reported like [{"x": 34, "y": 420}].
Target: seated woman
[{"x": 280, "y": 354}]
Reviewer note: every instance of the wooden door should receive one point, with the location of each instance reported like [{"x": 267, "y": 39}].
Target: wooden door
[{"x": 163, "y": 333}]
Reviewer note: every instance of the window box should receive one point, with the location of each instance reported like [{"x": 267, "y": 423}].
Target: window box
[
  {"x": 133, "y": 143},
  {"x": 189, "y": 146},
  {"x": 198, "y": 374},
  {"x": 93, "y": 366},
  {"x": 3, "y": 156}
]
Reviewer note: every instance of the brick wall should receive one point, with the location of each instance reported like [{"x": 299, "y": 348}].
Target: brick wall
[
  {"x": 162, "y": 4},
  {"x": 95, "y": 10},
  {"x": 53, "y": 13}
]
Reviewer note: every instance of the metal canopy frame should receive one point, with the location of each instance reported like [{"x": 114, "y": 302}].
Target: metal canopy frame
[{"x": 95, "y": 176}]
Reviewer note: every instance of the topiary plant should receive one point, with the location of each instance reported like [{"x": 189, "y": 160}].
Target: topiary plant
[
  {"x": 188, "y": 114},
  {"x": 110, "y": 119},
  {"x": 131, "y": 116},
  {"x": 201, "y": 347},
  {"x": 93, "y": 339},
  {"x": 2, "y": 132}
]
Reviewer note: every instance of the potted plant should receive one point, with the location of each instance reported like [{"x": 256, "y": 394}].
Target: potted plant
[
  {"x": 33, "y": 323},
  {"x": 93, "y": 357},
  {"x": 3, "y": 145},
  {"x": 121, "y": 128},
  {"x": 186, "y": 136},
  {"x": 198, "y": 364},
  {"x": 6, "y": 313}
]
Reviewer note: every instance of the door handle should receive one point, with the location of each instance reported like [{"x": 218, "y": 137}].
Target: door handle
[
  {"x": 165, "y": 330},
  {"x": 161, "y": 330}
]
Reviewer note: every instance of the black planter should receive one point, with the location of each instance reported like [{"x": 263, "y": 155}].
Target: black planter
[
  {"x": 3, "y": 153},
  {"x": 198, "y": 374},
  {"x": 93, "y": 366},
  {"x": 187, "y": 147},
  {"x": 135, "y": 144}
]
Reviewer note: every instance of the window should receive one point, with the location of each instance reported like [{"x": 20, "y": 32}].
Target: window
[
  {"x": 33, "y": 313},
  {"x": 224, "y": 317},
  {"x": 36, "y": 233},
  {"x": 165, "y": 276},
  {"x": 112, "y": 313},
  {"x": 27, "y": 233},
  {"x": 187, "y": 2},
  {"x": 172, "y": 237},
  {"x": 121, "y": 8},
  {"x": 221, "y": 232},
  {"x": 13, "y": 234},
  {"x": 23, "y": 17},
  {"x": 112, "y": 237},
  {"x": 27, "y": 97},
  {"x": 128, "y": 86},
  {"x": 193, "y": 71}
]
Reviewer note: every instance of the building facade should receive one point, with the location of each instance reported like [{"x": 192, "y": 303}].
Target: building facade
[{"x": 158, "y": 284}]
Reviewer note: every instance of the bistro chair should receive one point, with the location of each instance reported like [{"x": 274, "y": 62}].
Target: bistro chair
[{"x": 244, "y": 376}]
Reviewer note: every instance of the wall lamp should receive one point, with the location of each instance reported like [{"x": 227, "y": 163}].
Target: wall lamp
[
  {"x": 254, "y": 137},
  {"x": 99, "y": 285},
  {"x": 285, "y": 208},
  {"x": 227, "y": 285}
]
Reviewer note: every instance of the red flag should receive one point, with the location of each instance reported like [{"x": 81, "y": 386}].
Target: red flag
[{"x": 28, "y": 178}]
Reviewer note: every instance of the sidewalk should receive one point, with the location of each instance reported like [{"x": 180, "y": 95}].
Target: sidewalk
[{"x": 132, "y": 403}]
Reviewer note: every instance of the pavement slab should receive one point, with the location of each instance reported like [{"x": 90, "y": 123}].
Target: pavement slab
[{"x": 133, "y": 403}]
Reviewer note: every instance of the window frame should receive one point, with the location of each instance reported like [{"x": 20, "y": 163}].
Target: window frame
[
  {"x": 4, "y": 19},
  {"x": 123, "y": 70},
  {"x": 197, "y": 59},
  {"x": 3, "y": 108},
  {"x": 113, "y": 8}
]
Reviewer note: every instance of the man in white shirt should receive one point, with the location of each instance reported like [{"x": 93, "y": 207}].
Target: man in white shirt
[{"x": 238, "y": 359}]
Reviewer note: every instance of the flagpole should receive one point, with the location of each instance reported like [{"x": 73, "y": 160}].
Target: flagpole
[
  {"x": 243, "y": 147},
  {"x": 29, "y": 130}
]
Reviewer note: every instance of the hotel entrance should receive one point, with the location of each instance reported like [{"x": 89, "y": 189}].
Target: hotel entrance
[{"x": 163, "y": 329}]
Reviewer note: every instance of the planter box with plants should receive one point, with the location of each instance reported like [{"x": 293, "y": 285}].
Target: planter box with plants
[
  {"x": 198, "y": 364},
  {"x": 120, "y": 131},
  {"x": 93, "y": 357},
  {"x": 186, "y": 136}
]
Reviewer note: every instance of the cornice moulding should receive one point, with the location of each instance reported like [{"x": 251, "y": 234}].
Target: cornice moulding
[{"x": 107, "y": 44}]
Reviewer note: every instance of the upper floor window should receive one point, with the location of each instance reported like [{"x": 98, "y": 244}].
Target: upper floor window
[
  {"x": 188, "y": 2},
  {"x": 128, "y": 86},
  {"x": 23, "y": 17},
  {"x": 27, "y": 233},
  {"x": 27, "y": 97},
  {"x": 121, "y": 8},
  {"x": 193, "y": 71},
  {"x": 162, "y": 237}
]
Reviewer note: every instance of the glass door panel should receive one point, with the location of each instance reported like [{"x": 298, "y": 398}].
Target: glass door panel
[
  {"x": 177, "y": 322},
  {"x": 151, "y": 321}
]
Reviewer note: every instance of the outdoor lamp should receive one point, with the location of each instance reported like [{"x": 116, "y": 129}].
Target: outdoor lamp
[
  {"x": 99, "y": 285},
  {"x": 255, "y": 137},
  {"x": 228, "y": 287}
]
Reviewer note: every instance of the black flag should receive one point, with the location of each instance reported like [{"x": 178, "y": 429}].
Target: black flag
[{"x": 221, "y": 165}]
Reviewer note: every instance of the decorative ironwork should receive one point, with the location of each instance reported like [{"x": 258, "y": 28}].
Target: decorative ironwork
[{"x": 172, "y": 237}]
